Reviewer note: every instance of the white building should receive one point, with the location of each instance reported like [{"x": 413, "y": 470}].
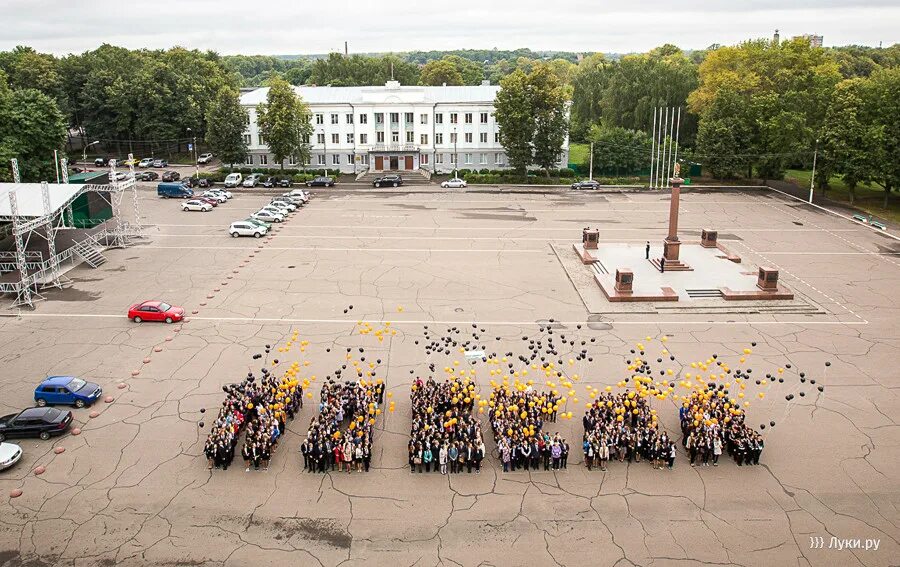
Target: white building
[{"x": 394, "y": 128}]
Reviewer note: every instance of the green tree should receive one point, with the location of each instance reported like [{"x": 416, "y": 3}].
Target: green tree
[
  {"x": 619, "y": 151},
  {"x": 589, "y": 82},
  {"x": 226, "y": 121},
  {"x": 440, "y": 72},
  {"x": 531, "y": 112},
  {"x": 846, "y": 136},
  {"x": 31, "y": 127},
  {"x": 513, "y": 111},
  {"x": 882, "y": 104},
  {"x": 284, "y": 122},
  {"x": 549, "y": 96}
]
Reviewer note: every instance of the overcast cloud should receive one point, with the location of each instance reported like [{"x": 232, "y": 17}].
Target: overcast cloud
[{"x": 302, "y": 26}]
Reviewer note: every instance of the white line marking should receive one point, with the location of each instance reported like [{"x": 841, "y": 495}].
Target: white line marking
[
  {"x": 248, "y": 248},
  {"x": 573, "y": 228},
  {"x": 395, "y": 322}
]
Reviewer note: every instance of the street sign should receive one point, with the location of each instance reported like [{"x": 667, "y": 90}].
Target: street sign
[{"x": 190, "y": 147}]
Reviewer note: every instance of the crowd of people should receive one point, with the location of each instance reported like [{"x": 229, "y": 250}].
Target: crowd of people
[
  {"x": 622, "y": 426},
  {"x": 517, "y": 417},
  {"x": 445, "y": 435},
  {"x": 712, "y": 423},
  {"x": 261, "y": 407},
  {"x": 330, "y": 445}
]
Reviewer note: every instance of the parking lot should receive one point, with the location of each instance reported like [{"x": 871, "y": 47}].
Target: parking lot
[{"x": 134, "y": 488}]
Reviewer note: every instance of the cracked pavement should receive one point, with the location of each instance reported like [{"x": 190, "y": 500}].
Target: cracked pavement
[{"x": 133, "y": 488}]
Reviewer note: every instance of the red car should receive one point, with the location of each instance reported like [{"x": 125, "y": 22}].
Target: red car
[
  {"x": 209, "y": 200},
  {"x": 155, "y": 311}
]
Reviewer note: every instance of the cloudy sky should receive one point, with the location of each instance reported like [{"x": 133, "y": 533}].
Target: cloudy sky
[{"x": 304, "y": 26}]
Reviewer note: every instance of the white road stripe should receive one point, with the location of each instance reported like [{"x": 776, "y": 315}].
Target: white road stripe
[
  {"x": 395, "y": 322},
  {"x": 360, "y": 249}
]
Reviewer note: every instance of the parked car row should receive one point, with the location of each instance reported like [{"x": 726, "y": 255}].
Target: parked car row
[
  {"x": 44, "y": 421},
  {"x": 206, "y": 201},
  {"x": 278, "y": 209}
]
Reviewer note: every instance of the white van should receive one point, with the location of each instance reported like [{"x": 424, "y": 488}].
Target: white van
[{"x": 233, "y": 180}]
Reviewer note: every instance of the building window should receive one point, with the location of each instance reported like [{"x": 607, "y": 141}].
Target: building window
[
  {"x": 409, "y": 137},
  {"x": 320, "y": 159},
  {"x": 423, "y": 159},
  {"x": 335, "y": 159},
  {"x": 379, "y": 137},
  {"x": 320, "y": 119},
  {"x": 423, "y": 119},
  {"x": 454, "y": 118},
  {"x": 395, "y": 117},
  {"x": 292, "y": 160},
  {"x": 247, "y": 139},
  {"x": 423, "y": 139},
  {"x": 438, "y": 139},
  {"x": 468, "y": 159},
  {"x": 468, "y": 117},
  {"x": 498, "y": 159},
  {"x": 261, "y": 141},
  {"x": 497, "y": 138},
  {"x": 350, "y": 159},
  {"x": 350, "y": 138},
  {"x": 453, "y": 138},
  {"x": 482, "y": 137},
  {"x": 335, "y": 138},
  {"x": 363, "y": 118},
  {"x": 249, "y": 160},
  {"x": 363, "y": 138},
  {"x": 408, "y": 118},
  {"x": 468, "y": 137},
  {"x": 320, "y": 138},
  {"x": 484, "y": 117},
  {"x": 365, "y": 159},
  {"x": 395, "y": 137},
  {"x": 305, "y": 138},
  {"x": 439, "y": 118},
  {"x": 439, "y": 158},
  {"x": 452, "y": 159},
  {"x": 379, "y": 118},
  {"x": 334, "y": 118},
  {"x": 263, "y": 159},
  {"x": 483, "y": 159},
  {"x": 349, "y": 118}
]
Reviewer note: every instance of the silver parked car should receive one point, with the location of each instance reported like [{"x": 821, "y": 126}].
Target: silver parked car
[{"x": 247, "y": 228}]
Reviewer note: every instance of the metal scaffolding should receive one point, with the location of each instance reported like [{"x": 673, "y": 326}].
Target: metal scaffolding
[{"x": 25, "y": 270}]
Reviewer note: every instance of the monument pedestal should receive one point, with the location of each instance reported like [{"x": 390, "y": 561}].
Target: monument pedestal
[{"x": 671, "y": 252}]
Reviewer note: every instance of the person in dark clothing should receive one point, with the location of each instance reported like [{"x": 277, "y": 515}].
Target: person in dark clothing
[{"x": 647, "y": 250}]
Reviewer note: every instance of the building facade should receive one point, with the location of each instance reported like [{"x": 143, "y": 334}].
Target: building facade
[{"x": 393, "y": 128}]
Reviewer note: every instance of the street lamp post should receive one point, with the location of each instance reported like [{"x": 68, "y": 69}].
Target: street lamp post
[
  {"x": 194, "y": 152},
  {"x": 812, "y": 179},
  {"x": 455, "y": 155},
  {"x": 84, "y": 152}
]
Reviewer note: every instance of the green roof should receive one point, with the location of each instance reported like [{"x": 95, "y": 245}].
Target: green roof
[{"x": 86, "y": 177}]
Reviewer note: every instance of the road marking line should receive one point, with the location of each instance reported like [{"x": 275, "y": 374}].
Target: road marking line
[
  {"x": 249, "y": 248},
  {"x": 395, "y": 322}
]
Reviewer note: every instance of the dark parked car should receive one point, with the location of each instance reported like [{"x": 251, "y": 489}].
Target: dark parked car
[
  {"x": 285, "y": 182},
  {"x": 146, "y": 176},
  {"x": 320, "y": 182},
  {"x": 385, "y": 180},
  {"x": 586, "y": 184},
  {"x": 35, "y": 422},
  {"x": 269, "y": 182},
  {"x": 170, "y": 176},
  {"x": 194, "y": 182},
  {"x": 104, "y": 161}
]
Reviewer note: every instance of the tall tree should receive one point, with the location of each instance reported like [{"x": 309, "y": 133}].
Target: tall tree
[
  {"x": 516, "y": 120},
  {"x": 284, "y": 122},
  {"x": 226, "y": 121},
  {"x": 883, "y": 116},
  {"x": 440, "y": 72},
  {"x": 549, "y": 96},
  {"x": 619, "y": 151},
  {"x": 31, "y": 127},
  {"x": 531, "y": 113},
  {"x": 589, "y": 82}
]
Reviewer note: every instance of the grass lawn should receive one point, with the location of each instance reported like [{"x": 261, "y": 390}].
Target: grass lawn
[
  {"x": 579, "y": 153},
  {"x": 869, "y": 198}
]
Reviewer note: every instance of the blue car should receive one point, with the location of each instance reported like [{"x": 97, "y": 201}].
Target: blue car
[{"x": 66, "y": 390}]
